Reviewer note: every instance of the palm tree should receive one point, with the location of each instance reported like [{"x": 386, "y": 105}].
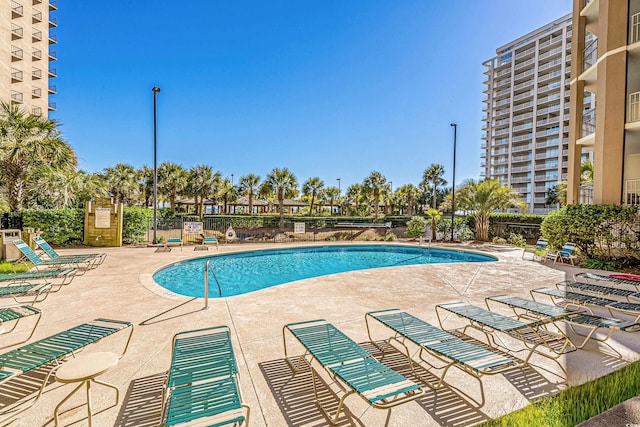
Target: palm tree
[
  {"x": 284, "y": 184},
  {"x": 483, "y": 198},
  {"x": 586, "y": 172},
  {"x": 55, "y": 189},
  {"x": 408, "y": 195},
  {"x": 248, "y": 186},
  {"x": 122, "y": 182},
  {"x": 431, "y": 179},
  {"x": 202, "y": 183},
  {"x": 374, "y": 184},
  {"x": 172, "y": 180},
  {"x": 227, "y": 192},
  {"x": 146, "y": 184},
  {"x": 354, "y": 197},
  {"x": 313, "y": 188},
  {"x": 27, "y": 142},
  {"x": 332, "y": 193}
]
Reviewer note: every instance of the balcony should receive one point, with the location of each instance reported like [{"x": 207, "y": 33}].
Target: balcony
[
  {"x": 634, "y": 107},
  {"x": 36, "y": 36},
  {"x": 522, "y": 127},
  {"x": 551, "y": 64},
  {"x": 523, "y": 106},
  {"x": 36, "y": 111},
  {"x": 52, "y": 72},
  {"x": 520, "y": 117},
  {"x": 550, "y": 53},
  {"x": 632, "y": 192},
  {"x": 588, "y": 123},
  {"x": 53, "y": 89},
  {"x": 36, "y": 92},
  {"x": 16, "y": 54},
  {"x": 16, "y": 76},
  {"x": 53, "y": 22},
  {"x": 522, "y": 75},
  {"x": 521, "y": 158},
  {"x": 524, "y": 64},
  {"x": 16, "y": 31},
  {"x": 53, "y": 5},
  {"x": 523, "y": 85},
  {"x": 590, "y": 55},
  {"x": 521, "y": 169},
  {"x": 53, "y": 56},
  {"x": 551, "y": 41},
  {"x": 524, "y": 95},
  {"x": 527, "y": 52},
  {"x": 16, "y": 10},
  {"x": 16, "y": 97},
  {"x": 36, "y": 54},
  {"x": 53, "y": 38},
  {"x": 37, "y": 17},
  {"x": 634, "y": 30},
  {"x": 36, "y": 74},
  {"x": 548, "y": 76},
  {"x": 501, "y": 103},
  {"x": 52, "y": 106},
  {"x": 591, "y": 12}
]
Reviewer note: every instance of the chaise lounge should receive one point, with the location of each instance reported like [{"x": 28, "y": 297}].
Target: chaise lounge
[{"x": 350, "y": 365}]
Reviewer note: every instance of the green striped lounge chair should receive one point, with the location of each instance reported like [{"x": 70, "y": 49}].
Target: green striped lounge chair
[
  {"x": 65, "y": 275},
  {"x": 533, "y": 310},
  {"x": 79, "y": 263},
  {"x": 52, "y": 350},
  {"x": 568, "y": 299},
  {"x": 446, "y": 348},
  {"x": 52, "y": 254},
  {"x": 13, "y": 316},
  {"x": 30, "y": 293},
  {"x": 618, "y": 280},
  {"x": 600, "y": 290},
  {"x": 202, "y": 387},
  {"x": 533, "y": 335},
  {"x": 173, "y": 241},
  {"x": 350, "y": 365}
]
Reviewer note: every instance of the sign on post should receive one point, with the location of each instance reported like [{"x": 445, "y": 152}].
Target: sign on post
[
  {"x": 192, "y": 227},
  {"x": 103, "y": 218}
]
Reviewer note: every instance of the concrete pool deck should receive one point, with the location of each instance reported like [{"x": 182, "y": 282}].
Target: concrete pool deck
[{"x": 122, "y": 289}]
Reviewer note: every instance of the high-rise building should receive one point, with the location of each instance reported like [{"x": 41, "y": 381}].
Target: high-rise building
[
  {"x": 527, "y": 113},
  {"x": 606, "y": 58},
  {"x": 25, "y": 55}
]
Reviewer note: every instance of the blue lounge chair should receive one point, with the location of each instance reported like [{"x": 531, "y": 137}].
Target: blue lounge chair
[
  {"x": 202, "y": 386},
  {"x": 79, "y": 263},
  {"x": 66, "y": 275},
  {"x": 210, "y": 241},
  {"x": 564, "y": 254},
  {"x": 443, "y": 346},
  {"x": 533, "y": 335},
  {"x": 538, "y": 250},
  {"x": 173, "y": 241},
  {"x": 349, "y": 364},
  {"x": 533, "y": 310},
  {"x": 54, "y": 348},
  {"x": 15, "y": 314},
  {"x": 52, "y": 254}
]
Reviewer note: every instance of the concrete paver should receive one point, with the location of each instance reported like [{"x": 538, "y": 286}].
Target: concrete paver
[{"x": 122, "y": 288}]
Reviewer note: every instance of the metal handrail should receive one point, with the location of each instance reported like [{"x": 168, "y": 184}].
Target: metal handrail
[{"x": 208, "y": 267}]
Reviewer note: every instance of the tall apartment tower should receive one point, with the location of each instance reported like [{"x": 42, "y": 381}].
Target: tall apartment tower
[
  {"x": 25, "y": 55},
  {"x": 606, "y": 55},
  {"x": 527, "y": 113}
]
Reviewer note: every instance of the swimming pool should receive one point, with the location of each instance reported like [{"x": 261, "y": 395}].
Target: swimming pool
[{"x": 244, "y": 272}]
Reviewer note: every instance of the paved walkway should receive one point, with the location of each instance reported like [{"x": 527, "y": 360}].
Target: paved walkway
[{"x": 122, "y": 289}]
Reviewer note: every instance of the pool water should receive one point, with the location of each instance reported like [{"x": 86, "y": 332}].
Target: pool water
[{"x": 244, "y": 272}]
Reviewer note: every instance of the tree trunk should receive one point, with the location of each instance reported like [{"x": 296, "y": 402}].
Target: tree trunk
[
  {"x": 281, "y": 206},
  {"x": 16, "y": 195},
  {"x": 250, "y": 202},
  {"x": 433, "y": 228}
]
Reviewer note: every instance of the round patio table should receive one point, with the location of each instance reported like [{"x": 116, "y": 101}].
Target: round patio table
[{"x": 84, "y": 369}]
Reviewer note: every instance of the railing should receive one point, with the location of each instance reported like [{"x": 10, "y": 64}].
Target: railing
[
  {"x": 634, "y": 107},
  {"x": 52, "y": 89},
  {"x": 588, "y": 123},
  {"x": 16, "y": 30},
  {"x": 53, "y": 38},
  {"x": 52, "y": 72},
  {"x": 16, "y": 75},
  {"x": 37, "y": 92},
  {"x": 525, "y": 53},
  {"x": 632, "y": 192},
  {"x": 550, "y": 53},
  {"x": 53, "y": 22},
  {"x": 53, "y": 56},
  {"x": 208, "y": 267},
  {"x": 17, "y": 8},
  {"x": 634, "y": 31},
  {"x": 550, "y": 64},
  {"x": 36, "y": 54},
  {"x": 37, "y": 17},
  {"x": 36, "y": 35},
  {"x": 16, "y": 96},
  {"x": 52, "y": 105},
  {"x": 37, "y": 111},
  {"x": 590, "y": 54},
  {"x": 550, "y": 41},
  {"x": 36, "y": 73},
  {"x": 523, "y": 84},
  {"x": 53, "y": 4}
]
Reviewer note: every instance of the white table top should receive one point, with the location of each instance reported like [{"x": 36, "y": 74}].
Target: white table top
[{"x": 86, "y": 366}]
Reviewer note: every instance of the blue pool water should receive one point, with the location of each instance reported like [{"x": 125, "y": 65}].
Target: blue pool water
[{"x": 244, "y": 272}]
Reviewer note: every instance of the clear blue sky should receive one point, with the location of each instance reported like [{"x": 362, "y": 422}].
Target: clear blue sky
[{"x": 328, "y": 88}]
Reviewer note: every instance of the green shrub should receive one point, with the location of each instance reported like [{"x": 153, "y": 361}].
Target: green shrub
[
  {"x": 600, "y": 264},
  {"x": 390, "y": 236},
  {"x": 517, "y": 240},
  {"x": 605, "y": 232},
  {"x": 135, "y": 222},
  {"x": 416, "y": 226},
  {"x": 59, "y": 226},
  {"x": 499, "y": 241},
  {"x": 8, "y": 267}
]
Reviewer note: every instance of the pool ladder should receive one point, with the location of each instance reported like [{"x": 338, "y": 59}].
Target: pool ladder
[{"x": 208, "y": 267}]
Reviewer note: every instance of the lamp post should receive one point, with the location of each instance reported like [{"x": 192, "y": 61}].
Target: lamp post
[
  {"x": 155, "y": 91},
  {"x": 232, "y": 180},
  {"x": 453, "y": 186}
]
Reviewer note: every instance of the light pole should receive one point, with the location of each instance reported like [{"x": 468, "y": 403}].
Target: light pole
[
  {"x": 453, "y": 186},
  {"x": 339, "y": 194},
  {"x": 232, "y": 180},
  {"x": 155, "y": 91}
]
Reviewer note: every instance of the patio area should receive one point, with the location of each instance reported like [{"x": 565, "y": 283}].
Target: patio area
[{"x": 122, "y": 289}]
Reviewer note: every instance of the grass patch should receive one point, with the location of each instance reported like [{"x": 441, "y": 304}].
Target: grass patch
[
  {"x": 7, "y": 267},
  {"x": 576, "y": 404}
]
